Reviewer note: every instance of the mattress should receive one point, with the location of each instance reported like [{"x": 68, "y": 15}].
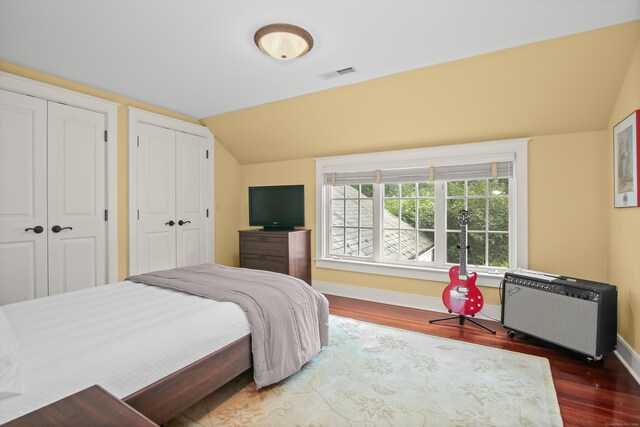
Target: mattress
[{"x": 123, "y": 336}]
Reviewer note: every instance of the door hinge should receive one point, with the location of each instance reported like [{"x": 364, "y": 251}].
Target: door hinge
[
  {"x": 138, "y": 141},
  {"x": 207, "y": 213},
  {"x": 138, "y": 213},
  {"x": 106, "y": 215},
  {"x": 207, "y": 154},
  {"x": 105, "y": 135}
]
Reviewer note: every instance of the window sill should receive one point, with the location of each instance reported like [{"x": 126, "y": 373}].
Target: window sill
[{"x": 435, "y": 274}]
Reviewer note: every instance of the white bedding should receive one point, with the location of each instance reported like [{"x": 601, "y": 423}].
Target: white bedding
[{"x": 123, "y": 336}]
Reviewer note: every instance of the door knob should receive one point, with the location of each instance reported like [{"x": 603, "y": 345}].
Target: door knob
[
  {"x": 37, "y": 229},
  {"x": 170, "y": 223},
  {"x": 181, "y": 222},
  {"x": 57, "y": 228}
]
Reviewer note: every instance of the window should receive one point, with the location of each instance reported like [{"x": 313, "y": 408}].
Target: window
[
  {"x": 409, "y": 221},
  {"x": 487, "y": 201},
  {"x": 388, "y": 213},
  {"x": 351, "y": 220}
]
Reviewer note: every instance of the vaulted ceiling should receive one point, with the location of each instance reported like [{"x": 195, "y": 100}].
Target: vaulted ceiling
[
  {"x": 564, "y": 85},
  {"x": 197, "y": 57},
  {"x": 428, "y": 72}
]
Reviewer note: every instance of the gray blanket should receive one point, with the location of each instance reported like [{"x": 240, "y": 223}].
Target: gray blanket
[{"x": 289, "y": 320}]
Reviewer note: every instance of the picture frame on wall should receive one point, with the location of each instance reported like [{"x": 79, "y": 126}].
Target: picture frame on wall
[{"x": 626, "y": 156}]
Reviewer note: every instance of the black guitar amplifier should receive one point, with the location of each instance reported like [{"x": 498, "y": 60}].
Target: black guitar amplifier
[{"x": 573, "y": 313}]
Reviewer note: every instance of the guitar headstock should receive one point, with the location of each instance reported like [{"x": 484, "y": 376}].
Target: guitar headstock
[{"x": 464, "y": 217}]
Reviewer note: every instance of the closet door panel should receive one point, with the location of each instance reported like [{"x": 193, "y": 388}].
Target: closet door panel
[
  {"x": 77, "y": 198},
  {"x": 192, "y": 195},
  {"x": 23, "y": 198},
  {"x": 156, "y": 198}
]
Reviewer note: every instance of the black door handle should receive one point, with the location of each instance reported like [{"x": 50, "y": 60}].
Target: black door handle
[
  {"x": 181, "y": 222},
  {"x": 170, "y": 223},
  {"x": 37, "y": 229},
  {"x": 57, "y": 228}
]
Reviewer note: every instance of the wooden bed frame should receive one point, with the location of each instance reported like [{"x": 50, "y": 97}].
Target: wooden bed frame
[{"x": 171, "y": 395}]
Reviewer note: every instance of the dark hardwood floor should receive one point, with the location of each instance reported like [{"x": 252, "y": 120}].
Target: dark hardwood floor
[{"x": 590, "y": 394}]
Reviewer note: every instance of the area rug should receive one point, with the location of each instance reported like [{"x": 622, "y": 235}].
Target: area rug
[{"x": 372, "y": 375}]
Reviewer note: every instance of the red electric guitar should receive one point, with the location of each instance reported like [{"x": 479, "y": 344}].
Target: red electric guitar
[{"x": 462, "y": 296}]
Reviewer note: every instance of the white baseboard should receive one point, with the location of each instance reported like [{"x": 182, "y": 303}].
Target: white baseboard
[
  {"x": 490, "y": 312},
  {"x": 627, "y": 355},
  {"x": 629, "y": 358}
]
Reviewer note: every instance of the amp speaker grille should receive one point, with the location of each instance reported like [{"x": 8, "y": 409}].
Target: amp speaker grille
[{"x": 563, "y": 320}]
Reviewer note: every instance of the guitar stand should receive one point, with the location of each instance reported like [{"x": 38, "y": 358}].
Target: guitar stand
[{"x": 462, "y": 318}]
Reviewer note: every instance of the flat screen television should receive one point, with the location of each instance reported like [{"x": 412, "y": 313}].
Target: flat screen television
[{"x": 276, "y": 207}]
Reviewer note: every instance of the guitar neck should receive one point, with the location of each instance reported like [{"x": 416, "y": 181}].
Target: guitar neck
[{"x": 463, "y": 249}]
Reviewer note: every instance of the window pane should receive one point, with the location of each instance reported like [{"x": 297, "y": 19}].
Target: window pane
[
  {"x": 426, "y": 213},
  {"x": 477, "y": 214},
  {"x": 498, "y": 187},
  {"x": 337, "y": 191},
  {"x": 476, "y": 253},
  {"x": 352, "y": 242},
  {"x": 391, "y": 219},
  {"x": 352, "y": 213},
  {"x": 454, "y": 206},
  {"x": 498, "y": 250},
  {"x": 408, "y": 213},
  {"x": 453, "y": 240},
  {"x": 409, "y": 190},
  {"x": 455, "y": 188},
  {"x": 337, "y": 212},
  {"x": 499, "y": 214},
  {"x": 425, "y": 246},
  {"x": 407, "y": 245},
  {"x": 366, "y": 190},
  {"x": 426, "y": 189},
  {"x": 391, "y": 243},
  {"x": 366, "y": 243},
  {"x": 477, "y": 187},
  {"x": 337, "y": 241},
  {"x": 391, "y": 190},
  {"x": 366, "y": 213},
  {"x": 352, "y": 191}
]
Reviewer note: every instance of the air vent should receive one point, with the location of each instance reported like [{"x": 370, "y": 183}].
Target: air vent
[{"x": 337, "y": 73}]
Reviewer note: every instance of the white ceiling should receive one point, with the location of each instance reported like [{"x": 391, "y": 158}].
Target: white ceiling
[{"x": 197, "y": 57}]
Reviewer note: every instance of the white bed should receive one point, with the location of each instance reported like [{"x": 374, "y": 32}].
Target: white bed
[{"x": 123, "y": 336}]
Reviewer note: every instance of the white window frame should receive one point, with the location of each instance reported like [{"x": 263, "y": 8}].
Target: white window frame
[{"x": 481, "y": 152}]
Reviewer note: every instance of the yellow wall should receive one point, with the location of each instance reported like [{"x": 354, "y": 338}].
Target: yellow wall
[
  {"x": 570, "y": 239},
  {"x": 624, "y": 223},
  {"x": 230, "y": 175},
  {"x": 558, "y": 86},
  {"x": 228, "y": 198}
]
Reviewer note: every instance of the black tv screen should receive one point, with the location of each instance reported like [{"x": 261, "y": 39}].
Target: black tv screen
[{"x": 276, "y": 207}]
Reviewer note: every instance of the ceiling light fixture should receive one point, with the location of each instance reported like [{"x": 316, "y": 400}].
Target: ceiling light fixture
[{"x": 283, "y": 41}]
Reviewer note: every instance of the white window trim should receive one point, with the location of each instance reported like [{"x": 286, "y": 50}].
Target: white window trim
[
  {"x": 480, "y": 152},
  {"x": 53, "y": 93}
]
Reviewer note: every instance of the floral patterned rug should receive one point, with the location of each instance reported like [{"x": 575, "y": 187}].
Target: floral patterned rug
[{"x": 373, "y": 375}]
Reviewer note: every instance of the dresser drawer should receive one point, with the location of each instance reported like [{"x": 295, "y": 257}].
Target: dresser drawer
[
  {"x": 265, "y": 262},
  {"x": 263, "y": 245}
]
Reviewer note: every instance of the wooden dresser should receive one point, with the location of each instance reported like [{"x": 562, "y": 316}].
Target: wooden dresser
[{"x": 287, "y": 252}]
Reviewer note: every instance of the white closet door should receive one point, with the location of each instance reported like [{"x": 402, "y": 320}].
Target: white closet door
[
  {"x": 23, "y": 198},
  {"x": 77, "y": 199},
  {"x": 192, "y": 191},
  {"x": 156, "y": 167}
]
